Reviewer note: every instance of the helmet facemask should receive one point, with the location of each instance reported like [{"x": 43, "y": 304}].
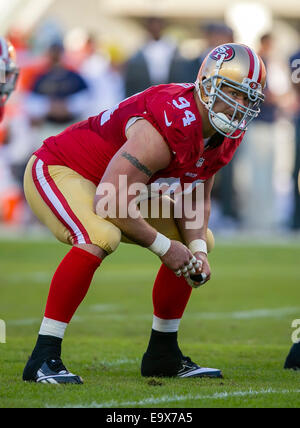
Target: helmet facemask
[
  {"x": 9, "y": 74},
  {"x": 8, "y": 86},
  {"x": 210, "y": 90}
]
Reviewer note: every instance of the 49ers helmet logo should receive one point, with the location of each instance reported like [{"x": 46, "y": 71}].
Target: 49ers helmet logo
[
  {"x": 254, "y": 85},
  {"x": 225, "y": 50}
]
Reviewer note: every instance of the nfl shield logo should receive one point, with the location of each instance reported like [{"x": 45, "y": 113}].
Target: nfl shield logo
[{"x": 200, "y": 162}]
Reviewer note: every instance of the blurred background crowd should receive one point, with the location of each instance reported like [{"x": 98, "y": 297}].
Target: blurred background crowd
[{"x": 78, "y": 59}]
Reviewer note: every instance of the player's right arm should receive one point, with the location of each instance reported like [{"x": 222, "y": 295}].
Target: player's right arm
[{"x": 144, "y": 153}]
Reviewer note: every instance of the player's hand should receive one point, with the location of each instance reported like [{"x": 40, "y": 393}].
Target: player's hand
[
  {"x": 179, "y": 259},
  {"x": 202, "y": 274}
]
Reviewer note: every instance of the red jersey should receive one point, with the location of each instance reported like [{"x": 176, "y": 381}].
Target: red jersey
[{"x": 87, "y": 147}]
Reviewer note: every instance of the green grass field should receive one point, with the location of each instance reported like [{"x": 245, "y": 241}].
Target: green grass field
[{"x": 239, "y": 322}]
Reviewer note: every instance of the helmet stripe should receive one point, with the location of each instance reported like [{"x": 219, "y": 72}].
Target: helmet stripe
[
  {"x": 260, "y": 70},
  {"x": 252, "y": 62},
  {"x": 255, "y": 68}
]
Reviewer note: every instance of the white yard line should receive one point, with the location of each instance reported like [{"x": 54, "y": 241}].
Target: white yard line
[
  {"x": 105, "y": 307},
  {"x": 237, "y": 315},
  {"x": 251, "y": 314},
  {"x": 120, "y": 361},
  {"x": 19, "y": 278},
  {"x": 107, "y": 311},
  {"x": 166, "y": 399},
  {"x": 26, "y": 321}
]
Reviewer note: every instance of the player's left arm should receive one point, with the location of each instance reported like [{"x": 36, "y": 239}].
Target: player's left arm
[{"x": 190, "y": 235}]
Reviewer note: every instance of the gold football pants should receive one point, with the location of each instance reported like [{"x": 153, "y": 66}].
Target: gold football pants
[{"x": 63, "y": 201}]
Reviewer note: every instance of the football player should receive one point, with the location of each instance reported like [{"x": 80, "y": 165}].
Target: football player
[
  {"x": 181, "y": 132},
  {"x": 8, "y": 72}
]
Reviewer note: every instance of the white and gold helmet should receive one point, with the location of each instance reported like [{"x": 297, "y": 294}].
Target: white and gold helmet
[
  {"x": 239, "y": 67},
  {"x": 9, "y": 71}
]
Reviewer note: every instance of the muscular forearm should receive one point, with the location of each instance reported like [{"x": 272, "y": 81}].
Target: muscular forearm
[
  {"x": 201, "y": 206},
  {"x": 190, "y": 234},
  {"x": 122, "y": 210},
  {"x": 137, "y": 230}
]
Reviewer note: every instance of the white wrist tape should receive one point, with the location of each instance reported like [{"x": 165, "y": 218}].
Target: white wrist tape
[
  {"x": 161, "y": 245},
  {"x": 198, "y": 245}
]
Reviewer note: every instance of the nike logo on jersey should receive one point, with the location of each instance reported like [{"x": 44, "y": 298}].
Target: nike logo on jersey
[{"x": 166, "y": 120}]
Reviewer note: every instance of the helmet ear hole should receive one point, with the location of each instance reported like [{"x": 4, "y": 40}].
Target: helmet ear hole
[{"x": 204, "y": 90}]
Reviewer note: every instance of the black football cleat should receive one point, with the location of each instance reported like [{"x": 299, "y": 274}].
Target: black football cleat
[
  {"x": 49, "y": 371},
  {"x": 190, "y": 369},
  {"x": 171, "y": 366}
]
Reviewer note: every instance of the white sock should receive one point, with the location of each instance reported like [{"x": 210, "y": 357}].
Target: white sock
[
  {"x": 54, "y": 328},
  {"x": 165, "y": 326}
]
